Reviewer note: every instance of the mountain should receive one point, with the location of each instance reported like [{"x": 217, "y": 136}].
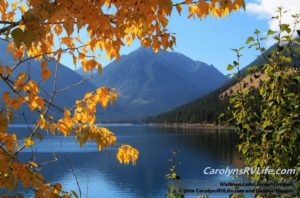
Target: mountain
[
  {"x": 206, "y": 109},
  {"x": 150, "y": 83},
  {"x": 65, "y": 78}
]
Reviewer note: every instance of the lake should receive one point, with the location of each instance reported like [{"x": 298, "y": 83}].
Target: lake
[{"x": 100, "y": 175}]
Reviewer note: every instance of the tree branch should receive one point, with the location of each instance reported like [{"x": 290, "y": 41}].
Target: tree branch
[{"x": 7, "y": 28}]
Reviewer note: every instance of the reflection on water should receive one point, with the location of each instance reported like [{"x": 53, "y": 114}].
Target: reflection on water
[{"x": 100, "y": 175}]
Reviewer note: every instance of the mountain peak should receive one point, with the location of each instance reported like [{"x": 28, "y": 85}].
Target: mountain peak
[{"x": 149, "y": 82}]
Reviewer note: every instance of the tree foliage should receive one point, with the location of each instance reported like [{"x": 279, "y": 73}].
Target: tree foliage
[
  {"x": 268, "y": 117},
  {"x": 44, "y": 30}
]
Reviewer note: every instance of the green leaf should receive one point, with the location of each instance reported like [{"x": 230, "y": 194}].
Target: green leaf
[
  {"x": 297, "y": 78},
  {"x": 290, "y": 95},
  {"x": 253, "y": 45},
  {"x": 230, "y": 67},
  {"x": 263, "y": 39},
  {"x": 221, "y": 116},
  {"x": 241, "y": 48},
  {"x": 297, "y": 51},
  {"x": 74, "y": 193},
  {"x": 285, "y": 28},
  {"x": 257, "y": 31},
  {"x": 271, "y": 32},
  {"x": 250, "y": 39},
  {"x": 232, "y": 100},
  {"x": 235, "y": 50},
  {"x": 18, "y": 36}
]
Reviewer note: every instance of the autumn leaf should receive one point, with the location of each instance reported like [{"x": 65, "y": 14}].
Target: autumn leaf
[
  {"x": 6, "y": 97},
  {"x": 58, "y": 29},
  {"x": 20, "y": 79},
  {"x": 46, "y": 72},
  {"x": 33, "y": 164},
  {"x": 3, "y": 123},
  {"x": 179, "y": 8},
  {"x": 18, "y": 35},
  {"x": 44, "y": 31},
  {"x": 127, "y": 154},
  {"x": 14, "y": 5},
  {"x": 28, "y": 142},
  {"x": 23, "y": 9}
]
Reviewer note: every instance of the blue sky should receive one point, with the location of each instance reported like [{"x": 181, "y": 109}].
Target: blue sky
[{"x": 209, "y": 40}]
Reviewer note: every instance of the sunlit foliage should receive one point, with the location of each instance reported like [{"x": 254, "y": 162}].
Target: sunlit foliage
[
  {"x": 267, "y": 116},
  {"x": 44, "y": 30}
]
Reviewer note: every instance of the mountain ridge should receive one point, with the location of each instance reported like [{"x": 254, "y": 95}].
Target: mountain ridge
[
  {"x": 65, "y": 78},
  {"x": 206, "y": 109},
  {"x": 150, "y": 82}
]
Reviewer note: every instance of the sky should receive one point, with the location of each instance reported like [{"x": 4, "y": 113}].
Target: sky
[{"x": 210, "y": 40}]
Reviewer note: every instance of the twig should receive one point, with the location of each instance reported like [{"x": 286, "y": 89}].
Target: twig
[
  {"x": 73, "y": 171},
  {"x": 48, "y": 53},
  {"x": 11, "y": 25},
  {"x": 74, "y": 85},
  {"x": 87, "y": 175},
  {"x": 47, "y": 108}
]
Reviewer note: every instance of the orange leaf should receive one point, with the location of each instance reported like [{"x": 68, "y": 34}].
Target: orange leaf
[
  {"x": 58, "y": 29},
  {"x": 46, "y": 72}
]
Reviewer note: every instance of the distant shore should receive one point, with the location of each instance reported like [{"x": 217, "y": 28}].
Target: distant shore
[{"x": 193, "y": 126}]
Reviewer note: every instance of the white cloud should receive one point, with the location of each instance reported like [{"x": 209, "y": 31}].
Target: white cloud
[{"x": 265, "y": 9}]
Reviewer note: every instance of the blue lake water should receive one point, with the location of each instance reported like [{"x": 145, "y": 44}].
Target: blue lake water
[{"x": 100, "y": 175}]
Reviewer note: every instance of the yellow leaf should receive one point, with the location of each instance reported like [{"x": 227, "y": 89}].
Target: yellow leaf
[
  {"x": 78, "y": 39},
  {"x": 52, "y": 128},
  {"x": 28, "y": 141},
  {"x": 1, "y": 70},
  {"x": 129, "y": 40},
  {"x": 146, "y": 42},
  {"x": 69, "y": 25},
  {"x": 58, "y": 29},
  {"x": 46, "y": 72},
  {"x": 3, "y": 123},
  {"x": 33, "y": 164},
  {"x": 68, "y": 42},
  {"x": 239, "y": 3},
  {"x": 20, "y": 80},
  {"x": 8, "y": 70},
  {"x": 6, "y": 97},
  {"x": 10, "y": 142},
  {"x": 103, "y": 96},
  {"x": 193, "y": 9},
  {"x": 127, "y": 154},
  {"x": 74, "y": 59},
  {"x": 203, "y": 9},
  {"x": 14, "y": 5},
  {"x": 39, "y": 102},
  {"x": 17, "y": 103},
  {"x": 43, "y": 124},
  {"x": 10, "y": 47},
  {"x": 23, "y": 9},
  {"x": 89, "y": 65},
  {"x": 179, "y": 8}
]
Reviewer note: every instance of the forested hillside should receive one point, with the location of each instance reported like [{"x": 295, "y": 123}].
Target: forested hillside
[{"x": 207, "y": 109}]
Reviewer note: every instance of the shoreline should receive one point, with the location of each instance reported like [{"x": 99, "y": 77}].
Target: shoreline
[
  {"x": 164, "y": 125},
  {"x": 192, "y": 126}
]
